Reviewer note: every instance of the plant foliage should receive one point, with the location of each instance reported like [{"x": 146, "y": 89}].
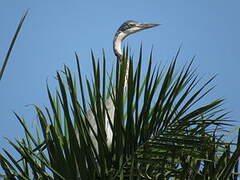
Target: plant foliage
[
  {"x": 12, "y": 44},
  {"x": 163, "y": 127}
]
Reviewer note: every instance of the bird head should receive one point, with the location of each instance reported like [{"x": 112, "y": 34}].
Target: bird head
[
  {"x": 130, "y": 27},
  {"x": 127, "y": 28}
]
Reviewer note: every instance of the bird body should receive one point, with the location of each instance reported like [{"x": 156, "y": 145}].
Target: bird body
[{"x": 110, "y": 109}]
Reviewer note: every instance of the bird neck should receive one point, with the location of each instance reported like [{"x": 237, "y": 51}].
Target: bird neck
[
  {"x": 117, "y": 43},
  {"x": 126, "y": 76},
  {"x": 117, "y": 48}
]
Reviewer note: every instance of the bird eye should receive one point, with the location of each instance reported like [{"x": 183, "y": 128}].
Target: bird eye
[{"x": 131, "y": 24}]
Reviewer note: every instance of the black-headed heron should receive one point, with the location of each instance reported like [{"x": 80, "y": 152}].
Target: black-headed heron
[{"x": 127, "y": 28}]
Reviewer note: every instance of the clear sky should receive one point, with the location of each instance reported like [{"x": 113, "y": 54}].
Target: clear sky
[{"x": 55, "y": 29}]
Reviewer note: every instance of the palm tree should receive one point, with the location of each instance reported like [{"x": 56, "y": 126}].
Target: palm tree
[{"x": 160, "y": 130}]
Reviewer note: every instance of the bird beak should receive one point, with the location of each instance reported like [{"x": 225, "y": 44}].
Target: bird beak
[{"x": 149, "y": 25}]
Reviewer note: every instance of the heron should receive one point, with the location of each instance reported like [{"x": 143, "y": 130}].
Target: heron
[{"x": 127, "y": 28}]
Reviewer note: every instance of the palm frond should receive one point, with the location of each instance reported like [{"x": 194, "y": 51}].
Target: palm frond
[
  {"x": 162, "y": 127},
  {"x": 12, "y": 44}
]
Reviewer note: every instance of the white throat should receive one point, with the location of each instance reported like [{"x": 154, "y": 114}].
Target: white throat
[{"x": 117, "y": 43}]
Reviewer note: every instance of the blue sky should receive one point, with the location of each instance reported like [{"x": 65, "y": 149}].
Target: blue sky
[{"x": 54, "y": 30}]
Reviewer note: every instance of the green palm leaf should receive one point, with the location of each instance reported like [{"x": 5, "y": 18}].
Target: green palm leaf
[
  {"x": 161, "y": 127},
  {"x": 12, "y": 44}
]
